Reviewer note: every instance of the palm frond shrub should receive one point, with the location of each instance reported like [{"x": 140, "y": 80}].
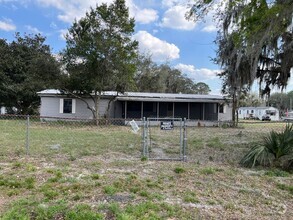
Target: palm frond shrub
[{"x": 272, "y": 148}]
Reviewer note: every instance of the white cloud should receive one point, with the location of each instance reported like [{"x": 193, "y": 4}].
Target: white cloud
[
  {"x": 197, "y": 74},
  {"x": 33, "y": 29},
  {"x": 171, "y": 3},
  {"x": 53, "y": 25},
  {"x": 75, "y": 9},
  {"x": 174, "y": 18},
  {"x": 18, "y": 1},
  {"x": 145, "y": 16},
  {"x": 7, "y": 25},
  {"x": 142, "y": 15},
  {"x": 211, "y": 21},
  {"x": 159, "y": 49},
  {"x": 24, "y": 3},
  {"x": 209, "y": 28},
  {"x": 63, "y": 32}
]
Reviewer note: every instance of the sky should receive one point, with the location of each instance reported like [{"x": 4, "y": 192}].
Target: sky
[{"x": 161, "y": 30}]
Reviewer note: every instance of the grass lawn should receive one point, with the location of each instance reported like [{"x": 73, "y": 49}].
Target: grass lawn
[{"x": 84, "y": 172}]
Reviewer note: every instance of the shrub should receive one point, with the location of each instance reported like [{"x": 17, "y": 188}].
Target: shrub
[{"x": 272, "y": 148}]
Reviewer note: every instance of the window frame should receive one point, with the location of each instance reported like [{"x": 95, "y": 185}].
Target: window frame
[
  {"x": 222, "y": 108},
  {"x": 73, "y": 106}
]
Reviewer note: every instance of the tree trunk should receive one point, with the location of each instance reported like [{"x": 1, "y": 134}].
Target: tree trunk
[
  {"x": 234, "y": 108},
  {"x": 97, "y": 103},
  {"x": 108, "y": 106}
]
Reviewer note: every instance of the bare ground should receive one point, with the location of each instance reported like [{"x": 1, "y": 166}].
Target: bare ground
[{"x": 209, "y": 190}]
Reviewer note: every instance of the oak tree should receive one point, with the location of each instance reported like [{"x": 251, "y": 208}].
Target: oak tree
[
  {"x": 100, "y": 53},
  {"x": 27, "y": 66}
]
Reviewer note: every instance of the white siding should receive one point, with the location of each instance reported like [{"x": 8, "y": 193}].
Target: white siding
[
  {"x": 53, "y": 107},
  {"x": 61, "y": 103}
]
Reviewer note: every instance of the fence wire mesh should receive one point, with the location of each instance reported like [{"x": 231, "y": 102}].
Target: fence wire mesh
[
  {"x": 34, "y": 135},
  {"x": 164, "y": 138},
  {"x": 38, "y": 136}
]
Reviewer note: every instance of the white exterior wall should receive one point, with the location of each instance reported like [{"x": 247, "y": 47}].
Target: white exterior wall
[
  {"x": 53, "y": 106},
  {"x": 226, "y": 115}
]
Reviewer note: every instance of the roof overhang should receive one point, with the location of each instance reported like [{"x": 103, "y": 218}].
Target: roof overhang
[
  {"x": 141, "y": 96},
  {"x": 147, "y": 99}
]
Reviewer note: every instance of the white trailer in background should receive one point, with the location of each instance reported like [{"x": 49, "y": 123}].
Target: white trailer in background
[
  {"x": 2, "y": 110},
  {"x": 259, "y": 113}
]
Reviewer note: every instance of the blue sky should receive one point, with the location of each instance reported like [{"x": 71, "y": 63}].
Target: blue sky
[{"x": 161, "y": 30}]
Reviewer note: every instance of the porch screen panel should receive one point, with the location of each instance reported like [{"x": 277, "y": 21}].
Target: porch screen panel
[
  {"x": 166, "y": 109},
  {"x": 133, "y": 109},
  {"x": 150, "y": 109},
  {"x": 196, "y": 111},
  {"x": 211, "y": 112},
  {"x": 181, "y": 110}
]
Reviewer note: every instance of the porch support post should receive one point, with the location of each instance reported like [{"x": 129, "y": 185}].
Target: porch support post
[
  {"x": 188, "y": 110},
  {"x": 141, "y": 112},
  {"x": 203, "y": 111},
  {"x": 158, "y": 109},
  {"x": 218, "y": 109},
  {"x": 173, "y": 109},
  {"x": 125, "y": 110}
]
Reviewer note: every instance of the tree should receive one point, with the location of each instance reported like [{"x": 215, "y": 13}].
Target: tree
[
  {"x": 100, "y": 53},
  {"x": 201, "y": 88},
  {"x": 281, "y": 101},
  {"x": 147, "y": 76},
  {"x": 26, "y": 67},
  {"x": 250, "y": 99},
  {"x": 254, "y": 42},
  {"x": 151, "y": 77}
]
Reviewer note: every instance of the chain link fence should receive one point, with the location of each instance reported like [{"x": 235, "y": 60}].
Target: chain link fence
[
  {"x": 34, "y": 135},
  {"x": 164, "y": 138},
  {"x": 206, "y": 141}
]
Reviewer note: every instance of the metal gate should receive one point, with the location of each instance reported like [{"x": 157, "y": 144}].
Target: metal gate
[{"x": 164, "y": 139}]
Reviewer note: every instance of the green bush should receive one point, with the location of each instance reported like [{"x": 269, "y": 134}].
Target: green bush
[{"x": 271, "y": 150}]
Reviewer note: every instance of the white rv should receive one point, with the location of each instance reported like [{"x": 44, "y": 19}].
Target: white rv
[{"x": 259, "y": 113}]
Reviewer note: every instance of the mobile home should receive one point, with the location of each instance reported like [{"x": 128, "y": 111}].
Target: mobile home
[
  {"x": 135, "y": 105},
  {"x": 259, "y": 113}
]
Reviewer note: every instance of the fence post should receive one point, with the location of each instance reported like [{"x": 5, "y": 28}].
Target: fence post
[
  {"x": 143, "y": 138},
  {"x": 27, "y": 134},
  {"x": 184, "y": 141},
  {"x": 181, "y": 139}
]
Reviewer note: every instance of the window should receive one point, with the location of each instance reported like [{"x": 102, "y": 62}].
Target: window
[
  {"x": 221, "y": 108},
  {"x": 240, "y": 112},
  {"x": 134, "y": 109},
  {"x": 67, "y": 106},
  {"x": 166, "y": 109},
  {"x": 271, "y": 112}
]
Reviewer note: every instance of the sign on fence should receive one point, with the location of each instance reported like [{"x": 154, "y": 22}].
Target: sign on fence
[
  {"x": 134, "y": 126},
  {"x": 167, "y": 125}
]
